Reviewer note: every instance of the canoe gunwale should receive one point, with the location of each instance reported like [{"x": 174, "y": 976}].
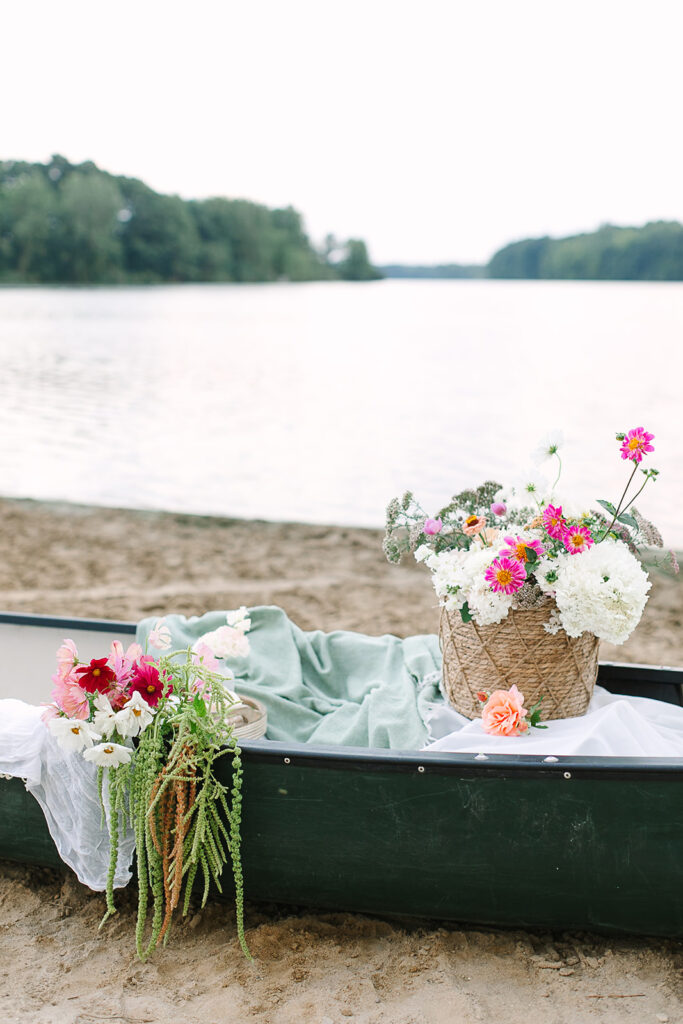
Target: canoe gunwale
[{"x": 496, "y": 766}]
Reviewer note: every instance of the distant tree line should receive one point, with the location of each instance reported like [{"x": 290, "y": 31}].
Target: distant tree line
[
  {"x": 650, "y": 253},
  {"x": 76, "y": 224},
  {"x": 439, "y": 270}
]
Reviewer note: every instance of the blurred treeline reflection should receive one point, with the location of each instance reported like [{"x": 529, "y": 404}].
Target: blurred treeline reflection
[{"x": 81, "y": 225}]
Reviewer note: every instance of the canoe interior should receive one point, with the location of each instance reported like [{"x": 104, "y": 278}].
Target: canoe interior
[{"x": 591, "y": 843}]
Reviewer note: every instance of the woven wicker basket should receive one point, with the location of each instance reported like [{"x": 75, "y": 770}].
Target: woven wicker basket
[{"x": 518, "y": 650}]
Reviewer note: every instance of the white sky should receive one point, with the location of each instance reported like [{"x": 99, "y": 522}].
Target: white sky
[{"x": 437, "y": 130}]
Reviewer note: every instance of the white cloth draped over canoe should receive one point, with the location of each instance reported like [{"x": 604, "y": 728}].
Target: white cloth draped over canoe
[{"x": 613, "y": 726}]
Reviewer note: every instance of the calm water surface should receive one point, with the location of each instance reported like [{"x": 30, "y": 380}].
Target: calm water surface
[{"x": 320, "y": 402}]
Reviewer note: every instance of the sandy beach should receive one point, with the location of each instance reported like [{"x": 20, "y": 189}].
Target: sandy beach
[{"x": 321, "y": 968}]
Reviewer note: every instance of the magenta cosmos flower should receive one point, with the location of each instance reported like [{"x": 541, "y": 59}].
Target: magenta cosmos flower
[
  {"x": 577, "y": 539},
  {"x": 432, "y": 526},
  {"x": 636, "y": 444},
  {"x": 517, "y": 549},
  {"x": 554, "y": 522},
  {"x": 505, "y": 576},
  {"x": 148, "y": 682}
]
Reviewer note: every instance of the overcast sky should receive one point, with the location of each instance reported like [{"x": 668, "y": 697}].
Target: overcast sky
[{"x": 437, "y": 130}]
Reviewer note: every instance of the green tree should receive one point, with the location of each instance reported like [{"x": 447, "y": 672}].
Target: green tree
[
  {"x": 90, "y": 240},
  {"x": 356, "y": 265}
]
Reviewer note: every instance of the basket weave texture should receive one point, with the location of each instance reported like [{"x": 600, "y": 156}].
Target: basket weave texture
[{"x": 519, "y": 651}]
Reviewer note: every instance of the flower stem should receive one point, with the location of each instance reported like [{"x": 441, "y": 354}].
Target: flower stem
[
  {"x": 616, "y": 514},
  {"x": 559, "y": 473}
]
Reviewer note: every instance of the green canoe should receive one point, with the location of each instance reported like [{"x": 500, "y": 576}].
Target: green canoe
[{"x": 574, "y": 843}]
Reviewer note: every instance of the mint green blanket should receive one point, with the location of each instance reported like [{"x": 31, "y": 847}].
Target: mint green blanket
[{"x": 329, "y": 688}]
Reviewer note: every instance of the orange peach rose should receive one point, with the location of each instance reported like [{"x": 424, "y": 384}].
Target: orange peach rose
[{"x": 504, "y": 713}]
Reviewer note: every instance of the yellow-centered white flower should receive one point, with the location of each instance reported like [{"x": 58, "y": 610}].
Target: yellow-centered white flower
[
  {"x": 107, "y": 755},
  {"x": 72, "y": 734},
  {"x": 104, "y": 719},
  {"x": 134, "y": 716}
]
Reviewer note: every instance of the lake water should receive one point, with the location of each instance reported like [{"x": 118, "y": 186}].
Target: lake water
[{"x": 320, "y": 402}]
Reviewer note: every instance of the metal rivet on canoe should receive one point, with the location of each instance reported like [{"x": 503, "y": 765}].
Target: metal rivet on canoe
[
  {"x": 481, "y": 757},
  {"x": 286, "y": 760},
  {"x": 550, "y": 759},
  {"x": 567, "y": 775},
  {"x": 420, "y": 767}
]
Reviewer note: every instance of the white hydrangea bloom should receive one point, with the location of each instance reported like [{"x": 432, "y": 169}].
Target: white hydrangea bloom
[
  {"x": 547, "y": 565},
  {"x": 602, "y": 591},
  {"x": 423, "y": 552},
  {"x": 465, "y": 570},
  {"x": 226, "y": 642}
]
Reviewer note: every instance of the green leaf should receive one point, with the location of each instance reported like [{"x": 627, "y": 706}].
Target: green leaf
[
  {"x": 608, "y": 505},
  {"x": 531, "y": 555},
  {"x": 627, "y": 520},
  {"x": 199, "y": 705},
  {"x": 465, "y": 614}
]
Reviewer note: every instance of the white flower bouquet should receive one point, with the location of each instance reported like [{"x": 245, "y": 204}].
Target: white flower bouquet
[{"x": 519, "y": 555}]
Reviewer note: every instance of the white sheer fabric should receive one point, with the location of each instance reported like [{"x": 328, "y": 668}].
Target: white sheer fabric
[
  {"x": 65, "y": 786},
  {"x": 613, "y": 726}
]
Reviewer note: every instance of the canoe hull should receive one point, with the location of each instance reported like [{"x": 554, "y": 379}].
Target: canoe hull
[{"x": 580, "y": 843}]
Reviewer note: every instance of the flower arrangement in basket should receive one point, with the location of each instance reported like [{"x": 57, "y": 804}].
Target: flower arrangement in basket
[
  {"x": 528, "y": 586},
  {"x": 155, "y": 729}
]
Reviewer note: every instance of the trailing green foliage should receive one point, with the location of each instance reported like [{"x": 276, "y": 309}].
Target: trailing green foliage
[{"x": 186, "y": 822}]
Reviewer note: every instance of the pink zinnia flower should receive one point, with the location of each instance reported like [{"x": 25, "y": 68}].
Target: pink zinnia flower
[
  {"x": 505, "y": 576},
  {"x": 517, "y": 548},
  {"x": 498, "y": 508},
  {"x": 473, "y": 525},
  {"x": 636, "y": 444},
  {"x": 554, "y": 521},
  {"x": 148, "y": 682},
  {"x": 433, "y": 526},
  {"x": 577, "y": 539},
  {"x": 504, "y": 713}
]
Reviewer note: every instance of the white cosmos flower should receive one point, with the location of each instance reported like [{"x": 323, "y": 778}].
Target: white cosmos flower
[
  {"x": 107, "y": 755},
  {"x": 134, "y": 716},
  {"x": 72, "y": 733},
  {"x": 548, "y": 446},
  {"x": 239, "y": 619},
  {"x": 104, "y": 719},
  {"x": 160, "y": 636}
]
